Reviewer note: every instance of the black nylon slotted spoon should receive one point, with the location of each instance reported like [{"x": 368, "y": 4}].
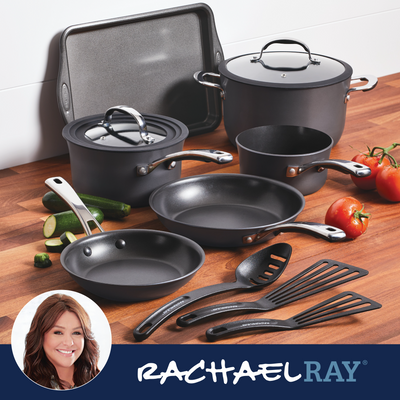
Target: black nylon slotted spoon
[
  {"x": 260, "y": 269},
  {"x": 338, "y": 306},
  {"x": 322, "y": 275}
]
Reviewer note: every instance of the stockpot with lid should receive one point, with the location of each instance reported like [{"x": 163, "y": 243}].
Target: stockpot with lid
[{"x": 284, "y": 88}]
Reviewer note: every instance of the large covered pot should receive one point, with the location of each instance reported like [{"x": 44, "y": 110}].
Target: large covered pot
[
  {"x": 284, "y": 88},
  {"x": 126, "y": 155}
]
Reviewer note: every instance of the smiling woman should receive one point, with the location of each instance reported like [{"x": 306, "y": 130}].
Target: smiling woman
[{"x": 60, "y": 349}]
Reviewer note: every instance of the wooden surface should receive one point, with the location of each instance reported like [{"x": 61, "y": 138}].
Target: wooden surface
[{"x": 373, "y": 118}]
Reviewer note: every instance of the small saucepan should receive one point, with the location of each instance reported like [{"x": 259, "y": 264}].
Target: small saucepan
[
  {"x": 124, "y": 155},
  {"x": 295, "y": 155},
  {"x": 127, "y": 265}
]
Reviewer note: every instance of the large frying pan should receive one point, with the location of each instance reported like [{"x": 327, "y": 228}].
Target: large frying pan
[
  {"x": 230, "y": 210},
  {"x": 126, "y": 265}
]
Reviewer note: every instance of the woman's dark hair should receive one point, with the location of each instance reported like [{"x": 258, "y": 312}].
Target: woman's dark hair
[{"x": 36, "y": 364}]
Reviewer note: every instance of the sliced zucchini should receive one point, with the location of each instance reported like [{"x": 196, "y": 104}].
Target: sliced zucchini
[
  {"x": 57, "y": 224},
  {"x": 67, "y": 238},
  {"x": 42, "y": 260},
  {"x": 54, "y": 245},
  {"x": 110, "y": 208}
]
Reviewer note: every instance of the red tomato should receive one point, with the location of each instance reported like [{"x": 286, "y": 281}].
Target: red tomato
[
  {"x": 348, "y": 214},
  {"x": 388, "y": 183},
  {"x": 368, "y": 182}
]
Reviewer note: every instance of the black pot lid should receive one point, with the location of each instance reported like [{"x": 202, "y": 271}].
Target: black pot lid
[
  {"x": 286, "y": 69},
  {"x": 130, "y": 132}
]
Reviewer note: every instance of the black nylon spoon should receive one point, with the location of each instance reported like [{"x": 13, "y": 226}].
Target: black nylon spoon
[
  {"x": 258, "y": 270},
  {"x": 322, "y": 275},
  {"x": 338, "y": 306}
]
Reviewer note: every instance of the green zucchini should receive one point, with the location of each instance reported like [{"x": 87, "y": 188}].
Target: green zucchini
[
  {"x": 42, "y": 260},
  {"x": 110, "y": 208},
  {"x": 67, "y": 238},
  {"x": 54, "y": 245},
  {"x": 57, "y": 224}
]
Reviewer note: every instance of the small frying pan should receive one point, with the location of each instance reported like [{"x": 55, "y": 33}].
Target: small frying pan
[
  {"x": 231, "y": 210},
  {"x": 126, "y": 265},
  {"x": 294, "y": 155}
]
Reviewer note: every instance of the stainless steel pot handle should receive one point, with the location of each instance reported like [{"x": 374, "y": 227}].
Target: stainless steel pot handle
[
  {"x": 61, "y": 187},
  {"x": 326, "y": 232},
  {"x": 372, "y": 82},
  {"x": 287, "y": 41},
  {"x": 217, "y": 156},
  {"x": 347, "y": 167},
  {"x": 134, "y": 114},
  {"x": 199, "y": 77}
]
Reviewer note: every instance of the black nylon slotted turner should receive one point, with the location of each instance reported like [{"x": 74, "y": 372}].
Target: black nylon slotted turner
[
  {"x": 338, "y": 306},
  {"x": 321, "y": 276}
]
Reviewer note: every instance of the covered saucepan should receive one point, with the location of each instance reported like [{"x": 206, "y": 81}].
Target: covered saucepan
[
  {"x": 294, "y": 155},
  {"x": 284, "y": 88},
  {"x": 124, "y": 155}
]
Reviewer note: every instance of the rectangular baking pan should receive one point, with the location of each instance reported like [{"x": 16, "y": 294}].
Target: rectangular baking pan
[{"x": 145, "y": 61}]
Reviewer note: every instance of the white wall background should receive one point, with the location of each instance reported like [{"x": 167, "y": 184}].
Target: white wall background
[{"x": 364, "y": 33}]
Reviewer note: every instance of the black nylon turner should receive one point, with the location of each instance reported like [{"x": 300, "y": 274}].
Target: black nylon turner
[
  {"x": 338, "y": 306},
  {"x": 321, "y": 276}
]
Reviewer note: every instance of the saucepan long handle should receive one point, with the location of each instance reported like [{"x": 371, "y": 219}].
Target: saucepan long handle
[
  {"x": 206, "y": 155},
  {"x": 347, "y": 167},
  {"x": 61, "y": 187}
]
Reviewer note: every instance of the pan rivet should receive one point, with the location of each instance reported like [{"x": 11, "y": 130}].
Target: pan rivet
[
  {"x": 172, "y": 165},
  {"x": 120, "y": 244},
  {"x": 142, "y": 171},
  {"x": 87, "y": 251}
]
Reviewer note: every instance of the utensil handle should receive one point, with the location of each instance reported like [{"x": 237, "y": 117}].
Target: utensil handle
[
  {"x": 338, "y": 306},
  {"x": 206, "y": 155},
  {"x": 323, "y": 231},
  {"x": 61, "y": 187},
  {"x": 372, "y": 82},
  {"x": 321, "y": 276},
  {"x": 347, "y": 167},
  {"x": 210, "y": 311},
  {"x": 157, "y": 318},
  {"x": 223, "y": 330},
  {"x": 199, "y": 77}
]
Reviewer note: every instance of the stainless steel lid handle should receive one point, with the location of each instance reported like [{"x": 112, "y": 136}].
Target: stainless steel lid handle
[
  {"x": 106, "y": 123},
  {"x": 287, "y": 41},
  {"x": 61, "y": 187}
]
